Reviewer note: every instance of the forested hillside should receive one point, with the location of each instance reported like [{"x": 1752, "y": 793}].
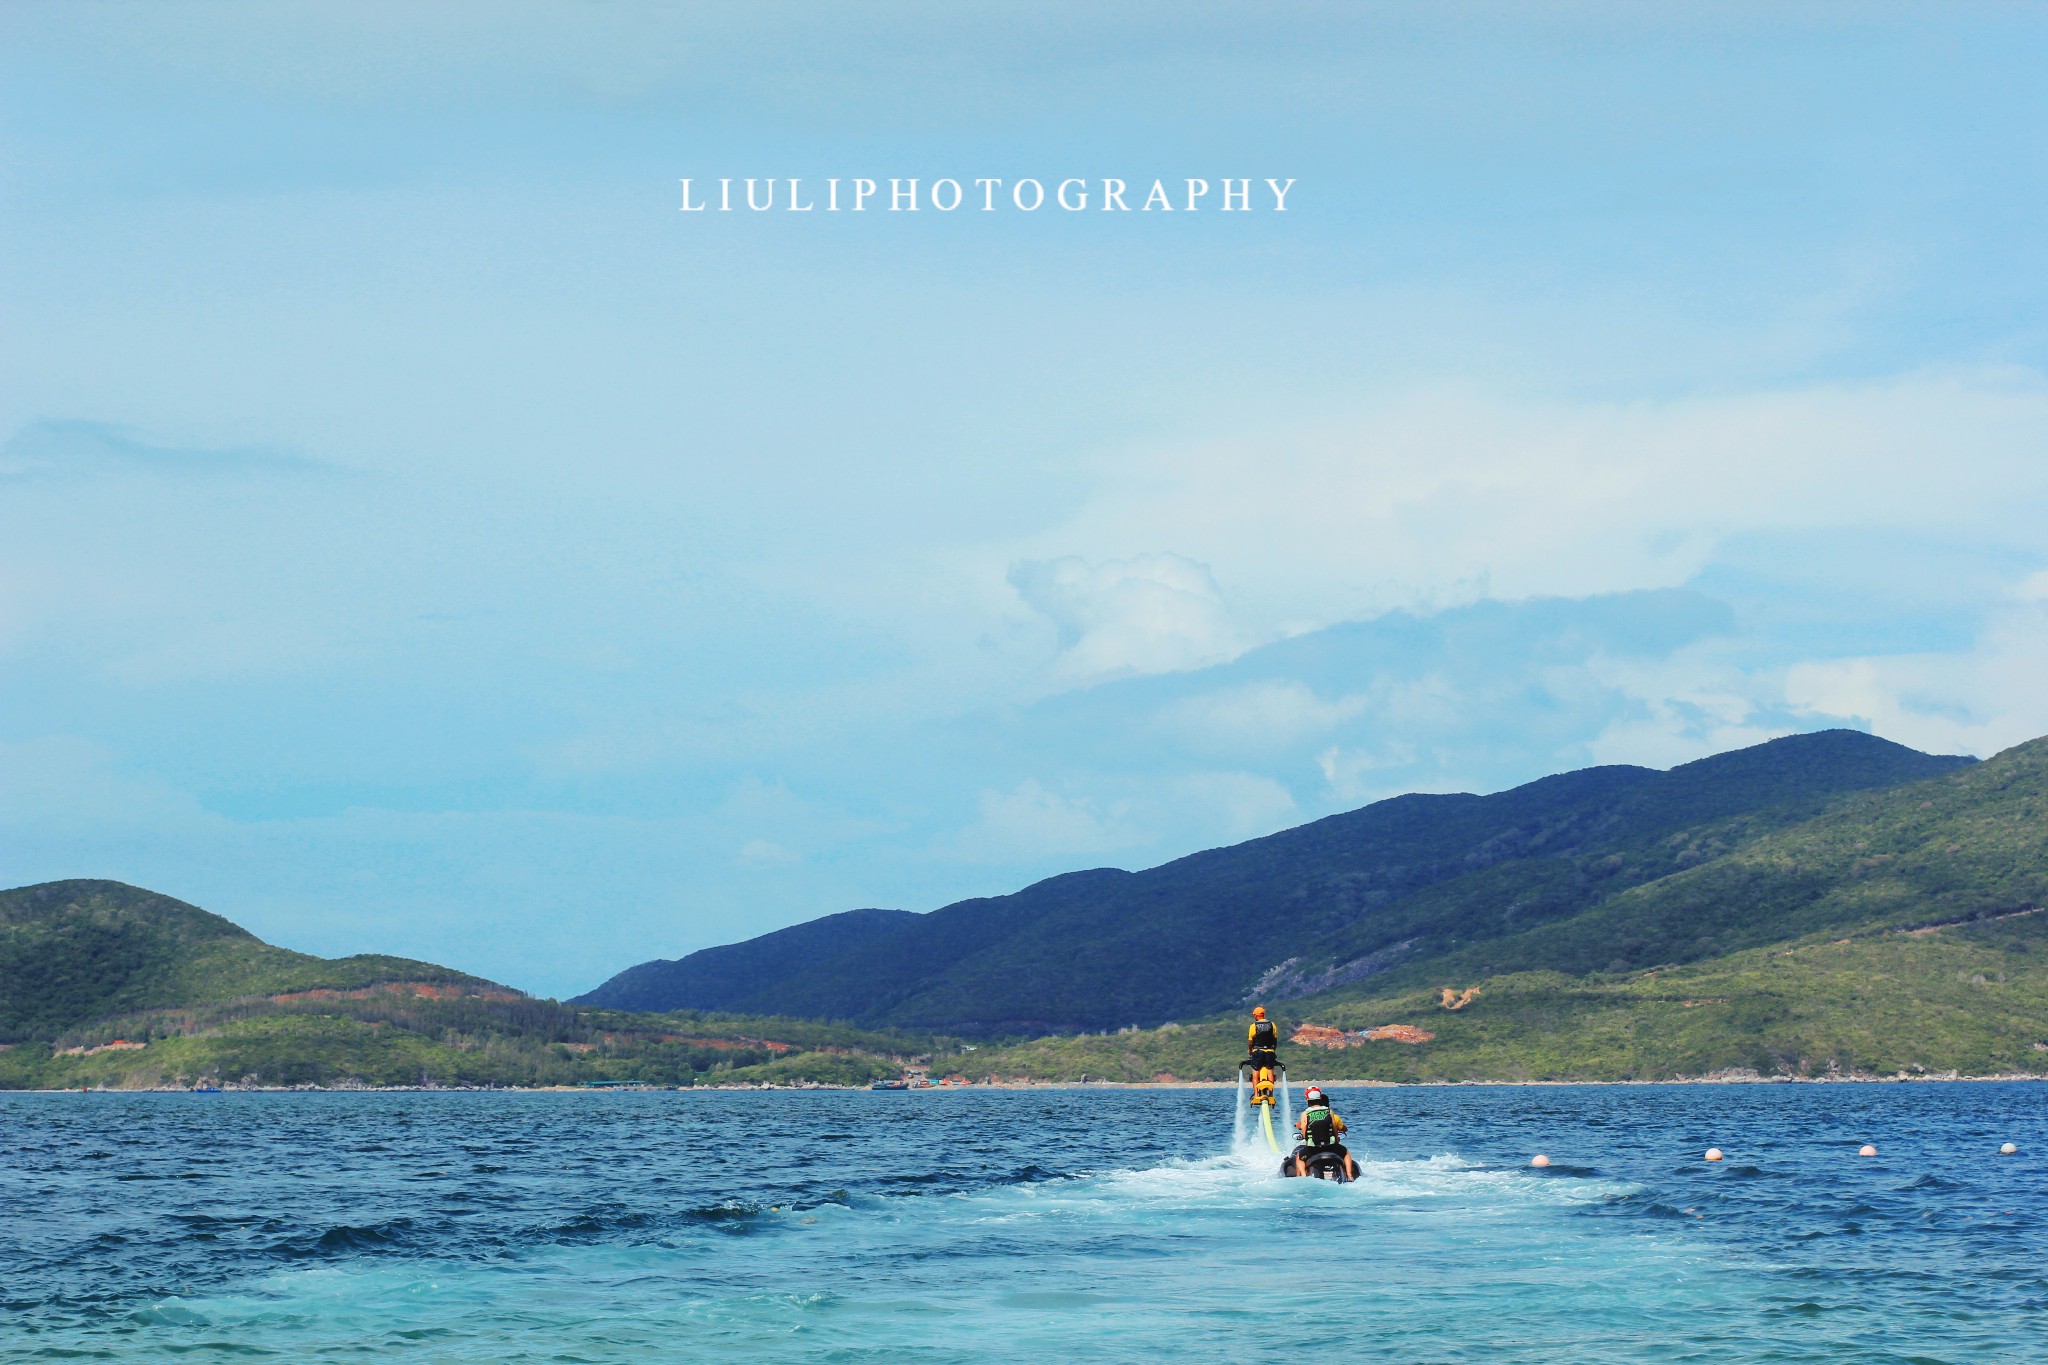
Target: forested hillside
[
  {"x": 1898, "y": 933},
  {"x": 111, "y": 985},
  {"x": 1342, "y": 899},
  {"x": 75, "y": 951},
  {"x": 1829, "y": 905}
]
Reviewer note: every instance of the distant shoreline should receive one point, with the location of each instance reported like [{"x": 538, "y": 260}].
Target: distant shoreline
[{"x": 1944, "y": 1079}]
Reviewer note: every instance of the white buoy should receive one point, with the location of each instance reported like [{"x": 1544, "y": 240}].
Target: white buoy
[
  {"x": 1713, "y": 1153},
  {"x": 1539, "y": 1160},
  {"x": 1866, "y": 1150},
  {"x": 2007, "y": 1150}
]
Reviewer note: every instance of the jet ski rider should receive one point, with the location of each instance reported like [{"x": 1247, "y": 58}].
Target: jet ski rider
[
  {"x": 1320, "y": 1130},
  {"x": 1262, "y": 1040}
]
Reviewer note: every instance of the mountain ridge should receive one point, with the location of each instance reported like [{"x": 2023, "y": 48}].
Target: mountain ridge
[
  {"x": 102, "y": 983},
  {"x": 1870, "y": 923},
  {"x": 82, "y": 949},
  {"x": 1109, "y": 948},
  {"x": 1899, "y": 934}
]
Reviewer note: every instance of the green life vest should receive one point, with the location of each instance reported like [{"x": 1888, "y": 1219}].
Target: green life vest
[{"x": 1320, "y": 1124}]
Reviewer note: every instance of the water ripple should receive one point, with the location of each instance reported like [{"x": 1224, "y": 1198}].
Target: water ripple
[{"x": 1029, "y": 1226}]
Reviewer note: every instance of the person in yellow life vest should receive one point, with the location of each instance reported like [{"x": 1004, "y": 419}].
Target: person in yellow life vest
[
  {"x": 1320, "y": 1130},
  {"x": 1262, "y": 1042}
]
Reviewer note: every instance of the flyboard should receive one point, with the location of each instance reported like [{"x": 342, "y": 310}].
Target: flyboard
[{"x": 1268, "y": 1088}]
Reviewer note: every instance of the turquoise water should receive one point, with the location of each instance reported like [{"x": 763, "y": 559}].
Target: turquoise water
[{"x": 1024, "y": 1226}]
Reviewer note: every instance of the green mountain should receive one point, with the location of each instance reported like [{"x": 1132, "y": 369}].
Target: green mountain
[
  {"x": 75, "y": 951},
  {"x": 1895, "y": 932},
  {"x": 1966, "y": 846},
  {"x": 111, "y": 985},
  {"x": 1344, "y": 899},
  {"x": 736, "y": 972},
  {"x": 1827, "y": 905},
  {"x": 1968, "y": 1000}
]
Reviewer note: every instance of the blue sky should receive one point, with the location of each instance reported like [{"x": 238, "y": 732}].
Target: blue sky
[{"x": 417, "y": 536}]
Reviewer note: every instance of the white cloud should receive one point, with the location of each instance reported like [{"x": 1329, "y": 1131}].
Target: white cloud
[
  {"x": 1104, "y": 816},
  {"x": 1705, "y": 700},
  {"x": 757, "y": 851},
  {"x": 1260, "y": 717},
  {"x": 1237, "y": 805},
  {"x": 1030, "y": 821},
  {"x": 1978, "y": 702},
  {"x": 1152, "y": 613},
  {"x": 1442, "y": 494},
  {"x": 783, "y": 827},
  {"x": 1687, "y": 705},
  {"x": 1356, "y": 775}
]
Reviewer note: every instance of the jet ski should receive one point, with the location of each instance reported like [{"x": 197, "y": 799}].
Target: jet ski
[{"x": 1321, "y": 1163}]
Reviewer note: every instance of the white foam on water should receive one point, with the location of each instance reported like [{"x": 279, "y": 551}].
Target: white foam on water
[{"x": 1166, "y": 1257}]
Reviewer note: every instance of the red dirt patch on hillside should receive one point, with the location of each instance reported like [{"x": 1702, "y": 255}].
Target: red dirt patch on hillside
[
  {"x": 1399, "y": 1033},
  {"x": 1320, "y": 1035},
  {"x": 118, "y": 1045}
]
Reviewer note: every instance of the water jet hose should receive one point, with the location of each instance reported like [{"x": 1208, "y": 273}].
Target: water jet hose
[{"x": 1266, "y": 1122}]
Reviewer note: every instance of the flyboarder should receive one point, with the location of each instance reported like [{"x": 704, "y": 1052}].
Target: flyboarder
[
  {"x": 1262, "y": 1063},
  {"x": 1262, "y": 1042},
  {"x": 1321, "y": 1131}
]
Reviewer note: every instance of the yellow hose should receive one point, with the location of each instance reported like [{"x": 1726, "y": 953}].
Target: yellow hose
[{"x": 1266, "y": 1122}]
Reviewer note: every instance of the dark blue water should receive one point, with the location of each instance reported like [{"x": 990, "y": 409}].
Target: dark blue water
[{"x": 1024, "y": 1226}]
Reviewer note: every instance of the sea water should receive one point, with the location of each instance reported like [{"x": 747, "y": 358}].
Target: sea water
[{"x": 1038, "y": 1225}]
